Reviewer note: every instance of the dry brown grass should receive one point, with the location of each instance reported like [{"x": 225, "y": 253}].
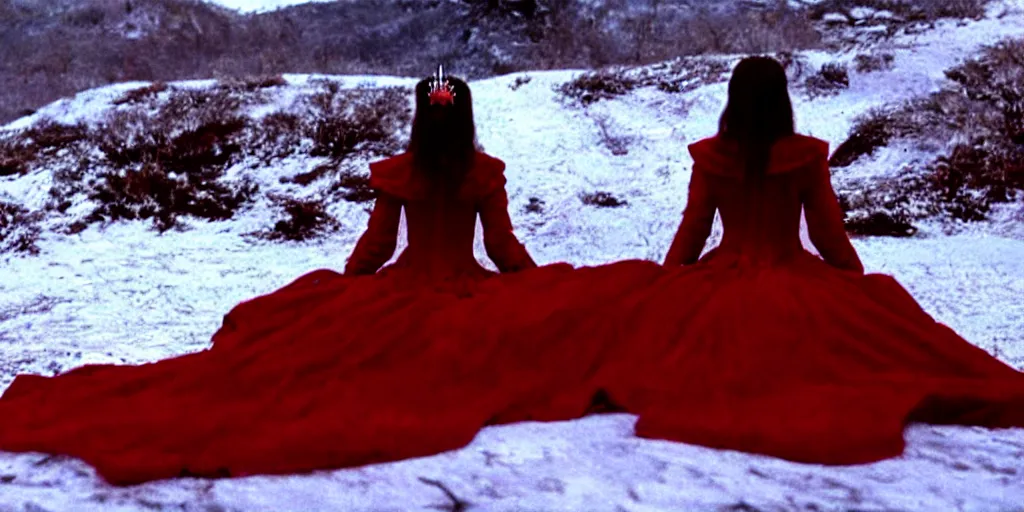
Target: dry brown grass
[
  {"x": 905, "y": 10},
  {"x": 19, "y": 229},
  {"x": 164, "y": 153},
  {"x": 678, "y": 75},
  {"x": 979, "y": 120},
  {"x": 871, "y": 62},
  {"x": 602, "y": 199},
  {"x": 342, "y": 122},
  {"x": 142, "y": 93},
  {"x": 830, "y": 80},
  {"x": 304, "y": 219},
  {"x": 535, "y": 205}
]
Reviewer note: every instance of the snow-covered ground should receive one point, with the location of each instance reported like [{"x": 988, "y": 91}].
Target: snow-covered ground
[
  {"x": 126, "y": 294},
  {"x": 253, "y": 6}
]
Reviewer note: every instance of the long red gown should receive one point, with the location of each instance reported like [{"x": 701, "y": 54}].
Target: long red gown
[
  {"x": 763, "y": 347},
  {"x": 338, "y": 370},
  {"x": 760, "y": 346}
]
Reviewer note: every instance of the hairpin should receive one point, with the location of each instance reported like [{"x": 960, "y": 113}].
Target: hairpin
[{"x": 441, "y": 92}]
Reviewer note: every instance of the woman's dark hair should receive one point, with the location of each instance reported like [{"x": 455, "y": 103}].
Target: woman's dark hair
[
  {"x": 443, "y": 139},
  {"x": 758, "y": 111}
]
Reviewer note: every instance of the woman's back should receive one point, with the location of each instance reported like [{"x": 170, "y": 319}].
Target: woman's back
[
  {"x": 441, "y": 220},
  {"x": 441, "y": 229},
  {"x": 761, "y": 213}
]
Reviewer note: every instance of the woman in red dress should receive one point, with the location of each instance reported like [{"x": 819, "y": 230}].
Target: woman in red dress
[
  {"x": 761, "y": 346},
  {"x": 443, "y": 182},
  {"x": 338, "y": 370}
]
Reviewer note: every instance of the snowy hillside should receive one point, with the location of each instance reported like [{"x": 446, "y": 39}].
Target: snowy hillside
[
  {"x": 122, "y": 292},
  {"x": 247, "y": 6}
]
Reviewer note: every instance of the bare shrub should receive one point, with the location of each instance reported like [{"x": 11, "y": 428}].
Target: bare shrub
[
  {"x": 602, "y": 199},
  {"x": 69, "y": 183},
  {"x": 686, "y": 74},
  {"x": 192, "y": 128},
  {"x": 305, "y": 178},
  {"x": 75, "y": 227},
  {"x": 347, "y": 182},
  {"x": 618, "y": 145},
  {"x": 19, "y": 229},
  {"x": 519, "y": 82},
  {"x": 43, "y": 141},
  {"x": 207, "y": 145},
  {"x": 170, "y": 165},
  {"x": 883, "y": 210},
  {"x": 167, "y": 160},
  {"x": 343, "y": 122},
  {"x": 305, "y": 219},
  {"x": 904, "y": 10},
  {"x": 958, "y": 9},
  {"x": 794, "y": 64},
  {"x": 680, "y": 75},
  {"x": 354, "y": 186},
  {"x": 593, "y": 86},
  {"x": 15, "y": 156},
  {"x": 154, "y": 193},
  {"x": 996, "y": 78},
  {"x": 870, "y": 131},
  {"x": 977, "y": 119},
  {"x": 141, "y": 94},
  {"x": 869, "y": 62},
  {"x": 277, "y": 135},
  {"x": 49, "y": 135},
  {"x": 535, "y": 205},
  {"x": 187, "y": 109},
  {"x": 884, "y": 207},
  {"x": 960, "y": 186},
  {"x": 1014, "y": 117},
  {"x": 881, "y": 224},
  {"x": 974, "y": 176},
  {"x": 252, "y": 83},
  {"x": 829, "y": 80}
]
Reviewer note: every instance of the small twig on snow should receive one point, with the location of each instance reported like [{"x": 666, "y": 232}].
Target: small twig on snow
[{"x": 457, "y": 504}]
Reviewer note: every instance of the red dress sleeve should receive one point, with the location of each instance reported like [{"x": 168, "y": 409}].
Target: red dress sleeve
[
  {"x": 378, "y": 242},
  {"x": 825, "y": 220},
  {"x": 696, "y": 225},
  {"x": 392, "y": 179},
  {"x": 486, "y": 185},
  {"x": 501, "y": 243}
]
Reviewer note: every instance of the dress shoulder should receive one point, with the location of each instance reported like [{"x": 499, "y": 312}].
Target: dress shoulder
[
  {"x": 486, "y": 176},
  {"x": 798, "y": 152},
  {"x": 395, "y": 177},
  {"x": 718, "y": 156}
]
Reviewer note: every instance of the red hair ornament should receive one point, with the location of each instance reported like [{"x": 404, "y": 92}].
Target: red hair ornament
[{"x": 441, "y": 92}]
